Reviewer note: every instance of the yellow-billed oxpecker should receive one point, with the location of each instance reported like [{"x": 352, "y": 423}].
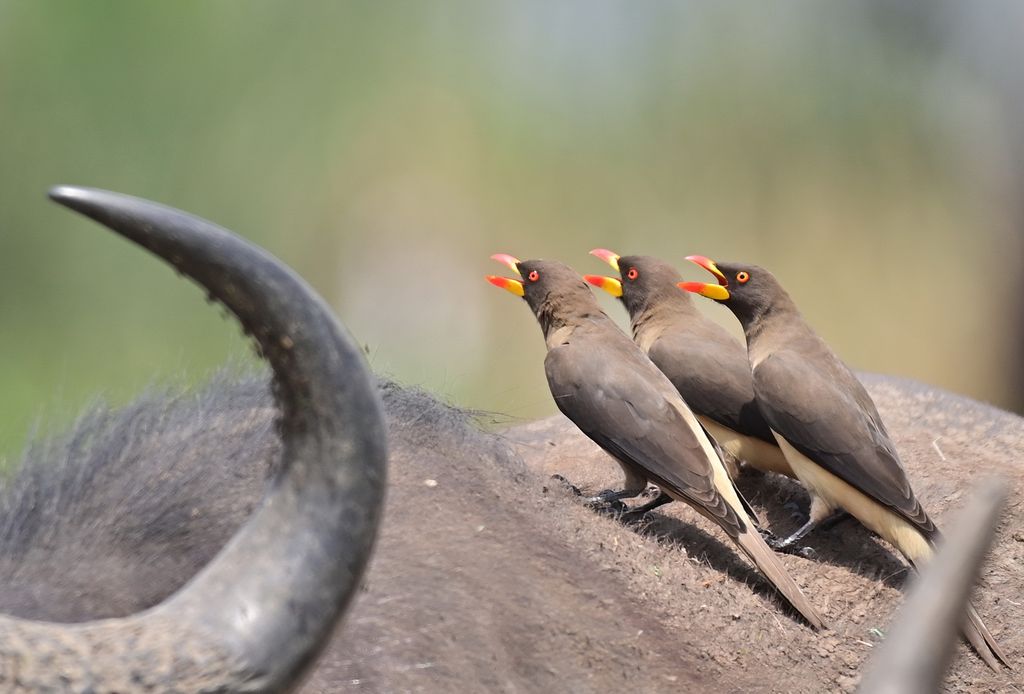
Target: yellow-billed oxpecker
[
  {"x": 826, "y": 423},
  {"x": 609, "y": 388},
  {"x": 705, "y": 363}
]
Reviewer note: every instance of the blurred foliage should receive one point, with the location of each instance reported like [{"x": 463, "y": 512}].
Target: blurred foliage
[{"x": 386, "y": 149}]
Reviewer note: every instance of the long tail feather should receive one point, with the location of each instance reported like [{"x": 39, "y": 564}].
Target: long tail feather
[
  {"x": 982, "y": 640},
  {"x": 768, "y": 562},
  {"x": 973, "y": 629}
]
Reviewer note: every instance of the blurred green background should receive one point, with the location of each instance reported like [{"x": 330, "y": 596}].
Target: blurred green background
[{"x": 869, "y": 153}]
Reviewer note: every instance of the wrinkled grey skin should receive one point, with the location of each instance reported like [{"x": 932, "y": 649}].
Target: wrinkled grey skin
[{"x": 256, "y": 617}]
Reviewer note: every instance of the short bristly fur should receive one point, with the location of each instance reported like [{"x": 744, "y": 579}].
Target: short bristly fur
[
  {"x": 512, "y": 535},
  {"x": 110, "y": 517},
  {"x": 96, "y": 522}
]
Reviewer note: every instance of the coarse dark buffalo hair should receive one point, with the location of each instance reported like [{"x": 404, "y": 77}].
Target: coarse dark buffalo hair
[{"x": 255, "y": 617}]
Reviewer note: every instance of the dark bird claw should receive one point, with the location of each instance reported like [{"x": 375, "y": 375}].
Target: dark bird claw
[
  {"x": 784, "y": 547},
  {"x": 613, "y": 506},
  {"x": 606, "y": 496}
]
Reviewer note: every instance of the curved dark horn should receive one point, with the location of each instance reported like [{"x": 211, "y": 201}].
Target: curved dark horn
[
  {"x": 260, "y": 612},
  {"x": 923, "y": 635}
]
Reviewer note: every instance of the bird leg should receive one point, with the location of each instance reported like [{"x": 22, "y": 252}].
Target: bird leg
[
  {"x": 820, "y": 513},
  {"x": 770, "y": 538},
  {"x": 789, "y": 546},
  {"x": 611, "y": 500},
  {"x": 835, "y": 519},
  {"x": 634, "y": 484},
  {"x": 827, "y": 524},
  {"x": 639, "y": 511},
  {"x": 609, "y": 496},
  {"x": 606, "y": 500}
]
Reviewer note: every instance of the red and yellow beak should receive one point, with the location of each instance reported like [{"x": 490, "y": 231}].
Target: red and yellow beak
[
  {"x": 607, "y": 256},
  {"x": 506, "y": 283},
  {"x": 509, "y": 261},
  {"x": 718, "y": 292},
  {"x": 609, "y": 284},
  {"x": 709, "y": 265}
]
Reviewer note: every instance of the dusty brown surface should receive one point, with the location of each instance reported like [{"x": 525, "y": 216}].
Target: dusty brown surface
[
  {"x": 488, "y": 576},
  {"x": 497, "y": 579}
]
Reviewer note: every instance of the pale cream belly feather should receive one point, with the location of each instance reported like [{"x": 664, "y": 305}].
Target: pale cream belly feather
[
  {"x": 838, "y": 494},
  {"x": 760, "y": 454},
  {"x": 722, "y": 481}
]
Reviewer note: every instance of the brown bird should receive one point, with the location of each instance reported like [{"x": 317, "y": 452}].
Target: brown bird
[
  {"x": 705, "y": 363},
  {"x": 616, "y": 396},
  {"x": 826, "y": 424}
]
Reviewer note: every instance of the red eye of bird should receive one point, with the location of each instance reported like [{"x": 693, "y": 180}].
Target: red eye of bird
[
  {"x": 533, "y": 276},
  {"x": 632, "y": 274},
  {"x": 742, "y": 277}
]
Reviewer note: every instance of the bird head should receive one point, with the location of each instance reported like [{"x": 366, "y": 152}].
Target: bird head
[
  {"x": 642, "y": 280},
  {"x": 748, "y": 290},
  {"x": 553, "y": 290}
]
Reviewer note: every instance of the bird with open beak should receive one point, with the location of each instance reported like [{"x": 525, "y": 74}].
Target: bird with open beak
[
  {"x": 609, "y": 388},
  {"x": 826, "y": 423},
  {"x": 705, "y": 363}
]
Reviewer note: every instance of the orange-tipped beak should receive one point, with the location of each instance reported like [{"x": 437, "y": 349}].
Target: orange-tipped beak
[
  {"x": 609, "y": 284},
  {"x": 711, "y": 291},
  {"x": 506, "y": 283},
  {"x": 709, "y": 265},
  {"x": 508, "y": 261},
  {"x": 509, "y": 285},
  {"x": 607, "y": 256},
  {"x": 718, "y": 292}
]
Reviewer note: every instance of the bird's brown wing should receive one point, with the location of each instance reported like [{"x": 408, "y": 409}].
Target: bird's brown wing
[
  {"x": 618, "y": 398},
  {"x": 829, "y": 417},
  {"x": 714, "y": 379},
  {"x": 747, "y": 508}
]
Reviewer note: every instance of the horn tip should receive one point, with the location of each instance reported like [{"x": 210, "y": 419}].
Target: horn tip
[
  {"x": 77, "y": 198},
  {"x": 65, "y": 194}
]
